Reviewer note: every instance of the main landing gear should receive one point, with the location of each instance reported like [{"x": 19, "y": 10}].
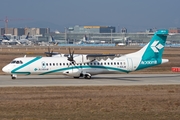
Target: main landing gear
[
  {"x": 86, "y": 75},
  {"x": 13, "y": 76}
]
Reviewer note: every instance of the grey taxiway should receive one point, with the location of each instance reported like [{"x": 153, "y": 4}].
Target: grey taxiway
[{"x": 98, "y": 80}]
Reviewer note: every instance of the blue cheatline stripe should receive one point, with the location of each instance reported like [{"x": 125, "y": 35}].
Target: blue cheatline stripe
[
  {"x": 24, "y": 65},
  {"x": 25, "y": 73},
  {"x": 83, "y": 67}
]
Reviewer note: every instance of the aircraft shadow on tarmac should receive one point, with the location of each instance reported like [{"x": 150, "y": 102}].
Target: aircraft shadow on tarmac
[
  {"x": 123, "y": 78},
  {"x": 136, "y": 78}
]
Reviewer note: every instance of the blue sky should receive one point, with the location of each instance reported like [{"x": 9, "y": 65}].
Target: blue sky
[{"x": 135, "y": 15}]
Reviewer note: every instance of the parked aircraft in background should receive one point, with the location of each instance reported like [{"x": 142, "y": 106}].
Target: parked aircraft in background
[
  {"x": 82, "y": 41},
  {"x": 8, "y": 41},
  {"x": 54, "y": 42},
  {"x": 85, "y": 40},
  {"x": 86, "y": 65},
  {"x": 121, "y": 44},
  {"x": 25, "y": 40}
]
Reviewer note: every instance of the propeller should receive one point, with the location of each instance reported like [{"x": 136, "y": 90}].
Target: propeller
[
  {"x": 71, "y": 56},
  {"x": 49, "y": 53}
]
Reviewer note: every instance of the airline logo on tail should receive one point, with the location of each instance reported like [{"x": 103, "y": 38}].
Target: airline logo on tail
[
  {"x": 27, "y": 36},
  {"x": 156, "y": 47},
  {"x": 5, "y": 37}
]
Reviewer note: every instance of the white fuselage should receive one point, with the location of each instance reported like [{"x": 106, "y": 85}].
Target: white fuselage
[{"x": 60, "y": 65}]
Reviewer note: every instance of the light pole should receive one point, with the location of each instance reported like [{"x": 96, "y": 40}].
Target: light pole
[
  {"x": 65, "y": 35},
  {"x": 111, "y": 36}
]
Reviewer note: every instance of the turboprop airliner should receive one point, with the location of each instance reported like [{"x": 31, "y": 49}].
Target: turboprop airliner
[
  {"x": 6, "y": 40},
  {"x": 86, "y": 66}
]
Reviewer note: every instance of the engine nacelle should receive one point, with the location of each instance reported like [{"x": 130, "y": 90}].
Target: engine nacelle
[
  {"x": 82, "y": 59},
  {"x": 72, "y": 72}
]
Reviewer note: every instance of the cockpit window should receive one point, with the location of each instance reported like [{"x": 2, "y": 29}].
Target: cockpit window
[
  {"x": 16, "y": 62},
  {"x": 13, "y": 61},
  {"x": 21, "y": 62}
]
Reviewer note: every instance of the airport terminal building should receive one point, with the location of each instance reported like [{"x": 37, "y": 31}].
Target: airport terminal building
[
  {"x": 91, "y": 29},
  {"x": 93, "y": 34},
  {"x": 107, "y": 34}
]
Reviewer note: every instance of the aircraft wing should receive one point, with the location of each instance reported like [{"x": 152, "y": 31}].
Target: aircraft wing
[
  {"x": 100, "y": 56},
  {"x": 86, "y": 58},
  {"x": 82, "y": 58}
]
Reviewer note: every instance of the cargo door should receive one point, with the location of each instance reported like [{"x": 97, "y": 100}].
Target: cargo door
[{"x": 129, "y": 64}]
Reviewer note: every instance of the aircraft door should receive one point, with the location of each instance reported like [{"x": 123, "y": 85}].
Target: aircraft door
[
  {"x": 129, "y": 64},
  {"x": 43, "y": 64}
]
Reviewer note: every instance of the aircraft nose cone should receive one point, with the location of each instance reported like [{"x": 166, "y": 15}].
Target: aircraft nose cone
[{"x": 5, "y": 69}]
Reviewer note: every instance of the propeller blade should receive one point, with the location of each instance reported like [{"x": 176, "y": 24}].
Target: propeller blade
[
  {"x": 71, "y": 54},
  {"x": 49, "y": 53}
]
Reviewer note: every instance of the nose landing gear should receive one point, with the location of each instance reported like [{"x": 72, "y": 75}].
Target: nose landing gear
[{"x": 13, "y": 76}]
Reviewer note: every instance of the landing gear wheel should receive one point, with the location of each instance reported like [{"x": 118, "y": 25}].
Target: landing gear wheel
[
  {"x": 13, "y": 76},
  {"x": 87, "y": 77}
]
